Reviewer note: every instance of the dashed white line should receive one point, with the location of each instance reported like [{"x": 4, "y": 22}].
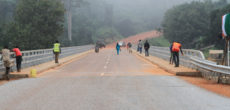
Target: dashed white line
[{"x": 102, "y": 74}]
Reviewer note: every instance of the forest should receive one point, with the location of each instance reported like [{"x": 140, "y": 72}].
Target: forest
[
  {"x": 36, "y": 24},
  {"x": 198, "y": 26}
]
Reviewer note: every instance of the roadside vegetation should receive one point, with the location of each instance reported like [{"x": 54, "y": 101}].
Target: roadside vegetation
[
  {"x": 198, "y": 25},
  {"x": 36, "y": 24},
  {"x": 29, "y": 23},
  {"x": 159, "y": 41}
]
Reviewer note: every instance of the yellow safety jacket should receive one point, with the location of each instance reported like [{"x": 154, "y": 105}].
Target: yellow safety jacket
[{"x": 57, "y": 47}]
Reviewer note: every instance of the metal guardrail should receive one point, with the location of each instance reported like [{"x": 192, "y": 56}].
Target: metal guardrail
[
  {"x": 210, "y": 66},
  {"x": 195, "y": 59},
  {"x": 36, "y": 57}
]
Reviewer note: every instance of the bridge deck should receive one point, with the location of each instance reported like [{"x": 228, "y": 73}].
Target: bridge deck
[{"x": 106, "y": 81}]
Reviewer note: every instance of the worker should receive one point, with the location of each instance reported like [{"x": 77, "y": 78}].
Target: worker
[
  {"x": 176, "y": 48},
  {"x": 6, "y": 61},
  {"x": 57, "y": 51},
  {"x": 140, "y": 46},
  {"x": 18, "y": 55},
  {"x": 118, "y": 48},
  {"x": 146, "y": 46}
]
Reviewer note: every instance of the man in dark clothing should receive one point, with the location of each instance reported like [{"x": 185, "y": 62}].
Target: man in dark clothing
[
  {"x": 176, "y": 48},
  {"x": 146, "y": 46},
  {"x": 18, "y": 55}
]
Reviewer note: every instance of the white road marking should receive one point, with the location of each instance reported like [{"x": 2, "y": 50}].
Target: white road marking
[
  {"x": 102, "y": 74},
  {"x": 107, "y": 62}
]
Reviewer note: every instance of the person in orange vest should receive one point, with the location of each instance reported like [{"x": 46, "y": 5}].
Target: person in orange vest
[
  {"x": 18, "y": 55},
  {"x": 176, "y": 48}
]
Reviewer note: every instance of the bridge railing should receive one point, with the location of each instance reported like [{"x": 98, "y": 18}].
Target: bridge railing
[
  {"x": 195, "y": 59},
  {"x": 36, "y": 57}
]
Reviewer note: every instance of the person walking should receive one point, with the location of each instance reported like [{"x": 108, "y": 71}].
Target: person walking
[
  {"x": 140, "y": 46},
  {"x": 6, "y": 60},
  {"x": 176, "y": 48},
  {"x": 146, "y": 46},
  {"x": 118, "y": 48},
  {"x": 57, "y": 51},
  {"x": 18, "y": 55},
  {"x": 171, "y": 55},
  {"x": 129, "y": 46}
]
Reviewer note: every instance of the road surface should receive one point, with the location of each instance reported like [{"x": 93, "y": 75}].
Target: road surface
[{"x": 106, "y": 81}]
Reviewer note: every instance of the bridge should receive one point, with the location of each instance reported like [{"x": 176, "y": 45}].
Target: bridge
[{"x": 85, "y": 80}]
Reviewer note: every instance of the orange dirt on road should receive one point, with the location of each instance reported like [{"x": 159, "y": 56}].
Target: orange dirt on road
[
  {"x": 208, "y": 85},
  {"x": 142, "y": 36}
]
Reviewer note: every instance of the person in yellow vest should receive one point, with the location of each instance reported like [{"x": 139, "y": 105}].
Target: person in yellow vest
[
  {"x": 176, "y": 48},
  {"x": 57, "y": 51}
]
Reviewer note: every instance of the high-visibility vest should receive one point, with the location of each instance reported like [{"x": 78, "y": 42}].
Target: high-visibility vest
[
  {"x": 57, "y": 47},
  {"x": 176, "y": 47}
]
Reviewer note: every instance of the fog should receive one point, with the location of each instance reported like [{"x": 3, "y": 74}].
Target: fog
[
  {"x": 148, "y": 11},
  {"x": 109, "y": 20}
]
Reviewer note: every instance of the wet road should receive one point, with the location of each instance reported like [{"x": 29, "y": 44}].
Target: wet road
[{"x": 106, "y": 81}]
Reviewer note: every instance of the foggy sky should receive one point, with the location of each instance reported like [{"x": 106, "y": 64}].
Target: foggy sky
[{"x": 143, "y": 9}]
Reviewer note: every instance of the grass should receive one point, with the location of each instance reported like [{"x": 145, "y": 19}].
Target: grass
[{"x": 160, "y": 41}]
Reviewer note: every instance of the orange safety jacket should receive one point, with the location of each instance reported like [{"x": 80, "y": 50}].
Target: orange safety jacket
[{"x": 176, "y": 47}]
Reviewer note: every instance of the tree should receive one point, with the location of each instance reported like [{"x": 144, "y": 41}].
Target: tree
[
  {"x": 189, "y": 26},
  {"x": 7, "y": 10},
  {"x": 215, "y": 26},
  {"x": 38, "y": 23}
]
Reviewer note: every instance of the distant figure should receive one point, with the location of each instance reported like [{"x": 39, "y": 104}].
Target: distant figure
[
  {"x": 176, "y": 48},
  {"x": 6, "y": 60},
  {"x": 171, "y": 54},
  {"x": 97, "y": 49},
  {"x": 18, "y": 55},
  {"x": 118, "y": 48},
  {"x": 57, "y": 51},
  {"x": 129, "y": 46},
  {"x": 146, "y": 46},
  {"x": 140, "y": 46}
]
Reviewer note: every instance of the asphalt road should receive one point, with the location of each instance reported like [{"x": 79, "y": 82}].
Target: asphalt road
[{"x": 106, "y": 81}]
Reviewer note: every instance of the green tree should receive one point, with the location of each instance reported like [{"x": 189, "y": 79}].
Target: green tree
[
  {"x": 7, "y": 8},
  {"x": 188, "y": 23},
  {"x": 215, "y": 28},
  {"x": 38, "y": 23}
]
